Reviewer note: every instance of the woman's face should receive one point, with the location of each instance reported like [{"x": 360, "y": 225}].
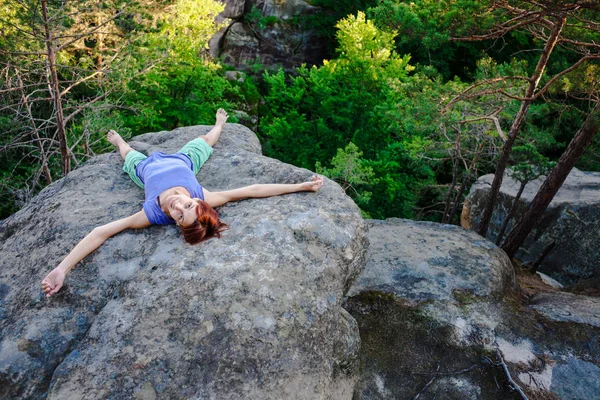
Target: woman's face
[{"x": 182, "y": 209}]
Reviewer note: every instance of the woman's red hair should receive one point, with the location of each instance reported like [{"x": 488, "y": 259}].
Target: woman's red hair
[{"x": 206, "y": 226}]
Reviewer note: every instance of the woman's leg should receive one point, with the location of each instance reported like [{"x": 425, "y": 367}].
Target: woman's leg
[
  {"x": 116, "y": 140},
  {"x": 212, "y": 137},
  {"x": 200, "y": 149},
  {"x": 130, "y": 156}
]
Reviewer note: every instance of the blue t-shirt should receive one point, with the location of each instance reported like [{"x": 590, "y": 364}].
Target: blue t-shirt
[{"x": 160, "y": 172}]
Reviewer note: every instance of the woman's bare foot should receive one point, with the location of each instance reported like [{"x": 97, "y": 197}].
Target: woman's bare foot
[
  {"x": 212, "y": 137},
  {"x": 116, "y": 140},
  {"x": 221, "y": 117}
]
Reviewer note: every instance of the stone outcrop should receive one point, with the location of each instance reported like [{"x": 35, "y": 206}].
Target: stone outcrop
[
  {"x": 568, "y": 307},
  {"x": 266, "y": 32},
  {"x": 420, "y": 261},
  {"x": 256, "y": 314},
  {"x": 571, "y": 224},
  {"x": 438, "y": 314},
  {"x": 234, "y": 9}
]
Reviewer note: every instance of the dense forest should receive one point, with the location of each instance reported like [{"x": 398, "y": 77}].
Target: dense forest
[{"x": 413, "y": 102}]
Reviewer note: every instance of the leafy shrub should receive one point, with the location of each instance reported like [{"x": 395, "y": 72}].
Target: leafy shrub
[{"x": 349, "y": 103}]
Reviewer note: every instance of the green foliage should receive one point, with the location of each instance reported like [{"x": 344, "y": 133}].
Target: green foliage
[
  {"x": 342, "y": 101},
  {"x": 255, "y": 17},
  {"x": 141, "y": 71},
  {"x": 399, "y": 176},
  {"x": 88, "y": 133},
  {"x": 424, "y": 28},
  {"x": 352, "y": 99},
  {"x": 529, "y": 164},
  {"x": 188, "y": 28},
  {"x": 330, "y": 12},
  {"x": 349, "y": 170},
  {"x": 177, "y": 94},
  {"x": 181, "y": 87}
]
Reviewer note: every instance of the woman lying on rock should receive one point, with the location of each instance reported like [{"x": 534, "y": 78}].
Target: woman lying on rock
[{"x": 173, "y": 196}]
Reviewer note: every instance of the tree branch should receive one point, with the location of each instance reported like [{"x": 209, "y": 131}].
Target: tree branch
[
  {"x": 493, "y": 117},
  {"x": 82, "y": 35},
  {"x": 80, "y": 108},
  {"x": 501, "y": 31},
  {"x": 80, "y": 81},
  {"x": 580, "y": 44},
  {"x": 459, "y": 96},
  {"x": 564, "y": 72},
  {"x": 4, "y": 21}
]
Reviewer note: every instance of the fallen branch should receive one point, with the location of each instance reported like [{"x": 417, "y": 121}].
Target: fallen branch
[
  {"x": 510, "y": 379},
  {"x": 425, "y": 387},
  {"x": 462, "y": 371},
  {"x": 428, "y": 383}
]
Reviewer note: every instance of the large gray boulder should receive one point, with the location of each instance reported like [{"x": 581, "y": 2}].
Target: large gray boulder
[
  {"x": 438, "y": 313},
  {"x": 568, "y": 307},
  {"x": 571, "y": 222},
  {"x": 256, "y": 314},
  {"x": 422, "y": 308},
  {"x": 421, "y": 261}
]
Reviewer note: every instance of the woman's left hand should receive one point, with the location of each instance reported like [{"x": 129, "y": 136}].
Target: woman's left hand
[
  {"x": 53, "y": 282},
  {"x": 315, "y": 184}
]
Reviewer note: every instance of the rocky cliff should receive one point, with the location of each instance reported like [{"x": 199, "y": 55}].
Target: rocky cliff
[
  {"x": 435, "y": 313},
  {"x": 256, "y": 314},
  {"x": 441, "y": 317},
  {"x": 568, "y": 232},
  {"x": 268, "y": 32}
]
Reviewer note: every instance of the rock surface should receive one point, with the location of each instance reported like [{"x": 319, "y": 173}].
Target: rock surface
[
  {"x": 420, "y": 261},
  {"x": 266, "y": 32},
  {"x": 549, "y": 281},
  {"x": 447, "y": 344},
  {"x": 571, "y": 222},
  {"x": 234, "y": 8},
  {"x": 568, "y": 307},
  {"x": 421, "y": 308},
  {"x": 256, "y": 314}
]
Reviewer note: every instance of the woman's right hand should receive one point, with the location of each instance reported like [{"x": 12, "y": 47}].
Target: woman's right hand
[
  {"x": 313, "y": 185},
  {"x": 53, "y": 282}
]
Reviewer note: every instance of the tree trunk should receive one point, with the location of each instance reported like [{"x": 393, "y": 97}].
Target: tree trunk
[
  {"x": 463, "y": 186},
  {"x": 511, "y": 213},
  {"x": 518, "y": 124},
  {"x": 449, "y": 195},
  {"x": 55, "y": 90},
  {"x": 99, "y": 46},
  {"x": 553, "y": 182},
  {"x": 459, "y": 196}
]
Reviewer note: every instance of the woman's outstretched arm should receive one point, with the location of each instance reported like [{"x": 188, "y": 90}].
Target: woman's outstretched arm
[
  {"x": 216, "y": 199},
  {"x": 54, "y": 280}
]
